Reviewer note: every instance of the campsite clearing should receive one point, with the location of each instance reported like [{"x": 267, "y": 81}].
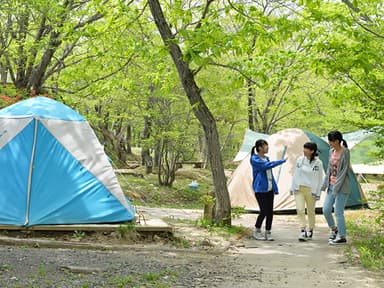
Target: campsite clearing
[{"x": 211, "y": 261}]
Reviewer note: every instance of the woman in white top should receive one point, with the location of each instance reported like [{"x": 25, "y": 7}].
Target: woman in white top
[{"x": 306, "y": 186}]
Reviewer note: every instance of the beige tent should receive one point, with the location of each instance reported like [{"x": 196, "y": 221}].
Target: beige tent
[{"x": 286, "y": 143}]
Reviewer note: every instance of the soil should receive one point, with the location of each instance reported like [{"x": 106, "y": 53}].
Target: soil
[{"x": 161, "y": 260}]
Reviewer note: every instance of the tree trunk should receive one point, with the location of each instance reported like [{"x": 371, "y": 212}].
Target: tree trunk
[
  {"x": 128, "y": 139},
  {"x": 3, "y": 75},
  {"x": 146, "y": 158},
  {"x": 202, "y": 113},
  {"x": 251, "y": 100},
  {"x": 203, "y": 149}
]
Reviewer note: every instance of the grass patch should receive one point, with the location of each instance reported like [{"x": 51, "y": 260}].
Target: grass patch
[
  {"x": 156, "y": 279},
  {"x": 367, "y": 246},
  {"x": 223, "y": 230},
  {"x": 145, "y": 190},
  {"x": 215, "y": 229}
]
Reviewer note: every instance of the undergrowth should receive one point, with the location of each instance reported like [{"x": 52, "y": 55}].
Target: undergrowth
[
  {"x": 367, "y": 245},
  {"x": 144, "y": 190}
]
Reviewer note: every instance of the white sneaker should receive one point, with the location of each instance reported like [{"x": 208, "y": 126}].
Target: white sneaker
[
  {"x": 339, "y": 240},
  {"x": 257, "y": 235},
  {"x": 302, "y": 236},
  {"x": 332, "y": 235},
  {"x": 268, "y": 236}
]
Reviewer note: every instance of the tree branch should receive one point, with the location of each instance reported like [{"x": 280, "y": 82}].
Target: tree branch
[
  {"x": 107, "y": 75},
  {"x": 234, "y": 69}
]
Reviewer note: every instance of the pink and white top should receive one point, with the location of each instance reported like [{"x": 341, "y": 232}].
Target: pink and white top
[{"x": 335, "y": 158}]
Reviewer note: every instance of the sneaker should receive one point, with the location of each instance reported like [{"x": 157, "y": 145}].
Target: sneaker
[
  {"x": 338, "y": 241},
  {"x": 333, "y": 235},
  {"x": 302, "y": 236},
  {"x": 257, "y": 235},
  {"x": 268, "y": 236},
  {"x": 309, "y": 234}
]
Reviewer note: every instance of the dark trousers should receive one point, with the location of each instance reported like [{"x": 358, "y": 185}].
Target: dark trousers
[{"x": 265, "y": 201}]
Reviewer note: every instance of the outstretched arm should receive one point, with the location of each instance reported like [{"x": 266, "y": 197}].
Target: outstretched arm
[{"x": 262, "y": 165}]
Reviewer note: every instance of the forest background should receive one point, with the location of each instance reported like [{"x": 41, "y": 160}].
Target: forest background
[{"x": 266, "y": 65}]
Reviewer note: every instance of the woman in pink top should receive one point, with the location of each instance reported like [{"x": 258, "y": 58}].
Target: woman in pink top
[{"x": 337, "y": 184}]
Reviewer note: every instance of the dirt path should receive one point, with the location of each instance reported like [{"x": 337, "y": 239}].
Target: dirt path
[
  {"x": 246, "y": 263},
  {"x": 286, "y": 262}
]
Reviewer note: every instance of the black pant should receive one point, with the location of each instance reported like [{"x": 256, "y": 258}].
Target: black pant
[{"x": 265, "y": 201}]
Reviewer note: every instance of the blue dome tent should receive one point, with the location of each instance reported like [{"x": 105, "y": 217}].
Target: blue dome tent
[{"x": 54, "y": 170}]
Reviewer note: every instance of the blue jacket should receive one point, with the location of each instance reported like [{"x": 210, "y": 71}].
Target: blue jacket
[{"x": 260, "y": 179}]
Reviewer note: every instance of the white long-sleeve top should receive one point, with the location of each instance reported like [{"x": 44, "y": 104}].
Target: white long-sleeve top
[{"x": 308, "y": 174}]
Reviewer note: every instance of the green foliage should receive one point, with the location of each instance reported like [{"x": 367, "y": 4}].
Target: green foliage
[
  {"x": 158, "y": 279},
  {"x": 368, "y": 240},
  {"x": 207, "y": 200},
  {"x": 42, "y": 270},
  {"x": 366, "y": 152},
  {"x": 125, "y": 229},
  {"x": 222, "y": 230},
  {"x": 314, "y": 65},
  {"x": 123, "y": 281},
  {"x": 6, "y": 267},
  {"x": 78, "y": 235},
  {"x": 180, "y": 243},
  {"x": 379, "y": 205},
  {"x": 349, "y": 50},
  {"x": 237, "y": 211},
  {"x": 147, "y": 191}
]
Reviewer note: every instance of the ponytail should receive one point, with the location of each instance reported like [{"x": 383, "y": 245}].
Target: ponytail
[
  {"x": 312, "y": 146},
  {"x": 259, "y": 143},
  {"x": 336, "y": 135},
  {"x": 253, "y": 150}
]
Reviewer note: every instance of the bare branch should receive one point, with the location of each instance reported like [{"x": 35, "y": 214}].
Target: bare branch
[
  {"x": 205, "y": 12},
  {"x": 107, "y": 75},
  {"x": 234, "y": 69}
]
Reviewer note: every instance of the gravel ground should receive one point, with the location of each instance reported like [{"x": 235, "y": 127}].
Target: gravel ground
[{"x": 45, "y": 267}]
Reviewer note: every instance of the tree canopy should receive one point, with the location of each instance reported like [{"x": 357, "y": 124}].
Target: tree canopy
[{"x": 260, "y": 64}]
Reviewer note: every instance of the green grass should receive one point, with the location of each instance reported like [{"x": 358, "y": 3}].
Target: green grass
[
  {"x": 158, "y": 279},
  {"x": 367, "y": 245},
  {"x": 365, "y": 152}
]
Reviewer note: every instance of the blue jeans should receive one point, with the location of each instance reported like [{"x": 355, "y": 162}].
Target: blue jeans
[{"x": 339, "y": 200}]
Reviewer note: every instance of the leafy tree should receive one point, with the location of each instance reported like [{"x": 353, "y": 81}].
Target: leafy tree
[
  {"x": 37, "y": 37},
  {"x": 349, "y": 49},
  {"x": 222, "y": 213}
]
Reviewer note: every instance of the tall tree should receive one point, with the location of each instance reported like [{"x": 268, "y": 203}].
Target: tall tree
[
  {"x": 38, "y": 37},
  {"x": 222, "y": 213}
]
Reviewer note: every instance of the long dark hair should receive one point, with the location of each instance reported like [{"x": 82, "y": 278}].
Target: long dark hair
[
  {"x": 313, "y": 147},
  {"x": 336, "y": 135},
  {"x": 259, "y": 143}
]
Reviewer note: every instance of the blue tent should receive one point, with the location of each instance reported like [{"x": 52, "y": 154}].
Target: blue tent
[{"x": 54, "y": 170}]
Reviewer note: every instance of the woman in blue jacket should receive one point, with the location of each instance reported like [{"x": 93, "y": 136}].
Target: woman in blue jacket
[{"x": 265, "y": 187}]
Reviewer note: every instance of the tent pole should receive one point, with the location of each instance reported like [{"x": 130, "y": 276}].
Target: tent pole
[
  {"x": 282, "y": 157},
  {"x": 31, "y": 171}
]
